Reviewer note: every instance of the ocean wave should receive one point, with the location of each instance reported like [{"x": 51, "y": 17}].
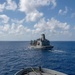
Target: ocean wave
[{"x": 58, "y": 51}]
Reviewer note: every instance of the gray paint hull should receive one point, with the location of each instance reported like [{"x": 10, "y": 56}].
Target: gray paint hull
[
  {"x": 35, "y": 71},
  {"x": 42, "y": 47}
]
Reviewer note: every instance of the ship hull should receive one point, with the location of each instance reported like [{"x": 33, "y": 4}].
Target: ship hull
[
  {"x": 42, "y": 47},
  {"x": 36, "y": 71}
]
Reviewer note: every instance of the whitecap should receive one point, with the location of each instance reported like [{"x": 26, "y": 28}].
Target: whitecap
[{"x": 57, "y": 51}]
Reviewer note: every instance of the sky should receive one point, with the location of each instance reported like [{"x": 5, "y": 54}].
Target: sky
[{"x": 24, "y": 20}]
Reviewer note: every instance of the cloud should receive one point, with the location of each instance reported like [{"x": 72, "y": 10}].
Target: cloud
[
  {"x": 8, "y": 5},
  {"x": 30, "y": 7},
  {"x": 16, "y": 21},
  {"x": 54, "y": 3},
  {"x": 63, "y": 12},
  {"x": 51, "y": 26},
  {"x": 14, "y": 29},
  {"x": 4, "y": 18},
  {"x": 17, "y": 30},
  {"x": 2, "y": 6},
  {"x": 14, "y": 32},
  {"x": 11, "y": 5},
  {"x": 33, "y": 16},
  {"x": 6, "y": 27},
  {"x": 21, "y": 29}
]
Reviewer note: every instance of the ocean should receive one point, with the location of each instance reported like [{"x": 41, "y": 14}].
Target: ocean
[{"x": 17, "y": 55}]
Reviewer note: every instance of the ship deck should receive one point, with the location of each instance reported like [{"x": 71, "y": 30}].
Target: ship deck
[{"x": 36, "y": 71}]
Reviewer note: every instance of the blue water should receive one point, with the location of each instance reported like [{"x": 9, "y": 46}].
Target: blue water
[{"x": 17, "y": 55}]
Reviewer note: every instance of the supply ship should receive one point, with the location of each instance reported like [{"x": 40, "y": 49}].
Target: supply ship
[{"x": 41, "y": 43}]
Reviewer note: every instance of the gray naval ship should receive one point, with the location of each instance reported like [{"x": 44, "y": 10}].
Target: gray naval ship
[{"x": 41, "y": 43}]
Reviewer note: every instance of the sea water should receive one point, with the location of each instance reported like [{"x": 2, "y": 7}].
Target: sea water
[{"x": 17, "y": 55}]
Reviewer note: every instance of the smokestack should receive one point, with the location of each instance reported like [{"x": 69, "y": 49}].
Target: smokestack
[{"x": 43, "y": 36}]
